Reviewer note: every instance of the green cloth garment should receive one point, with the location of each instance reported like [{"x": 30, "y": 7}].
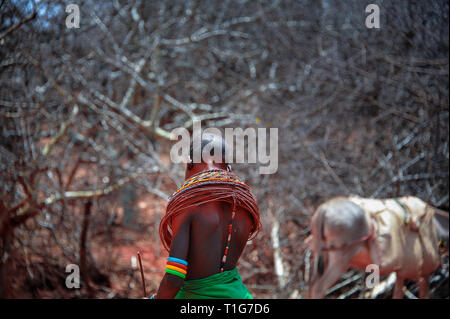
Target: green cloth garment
[{"x": 225, "y": 285}]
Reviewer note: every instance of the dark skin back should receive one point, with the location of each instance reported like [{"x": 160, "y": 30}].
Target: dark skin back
[{"x": 200, "y": 238}]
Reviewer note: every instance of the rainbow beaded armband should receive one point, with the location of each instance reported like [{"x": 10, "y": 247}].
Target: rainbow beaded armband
[{"x": 177, "y": 267}]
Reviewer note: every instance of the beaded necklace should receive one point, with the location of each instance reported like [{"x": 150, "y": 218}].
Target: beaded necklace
[{"x": 209, "y": 186}]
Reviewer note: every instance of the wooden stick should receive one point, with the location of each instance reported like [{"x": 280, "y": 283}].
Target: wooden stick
[{"x": 142, "y": 274}]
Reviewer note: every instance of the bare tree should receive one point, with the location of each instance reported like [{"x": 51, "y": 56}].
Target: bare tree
[{"x": 84, "y": 112}]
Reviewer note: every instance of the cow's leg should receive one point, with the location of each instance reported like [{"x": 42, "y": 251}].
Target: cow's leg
[
  {"x": 338, "y": 263},
  {"x": 398, "y": 288},
  {"x": 424, "y": 288}
]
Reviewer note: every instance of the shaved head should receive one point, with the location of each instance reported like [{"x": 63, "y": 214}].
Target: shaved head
[{"x": 212, "y": 148}]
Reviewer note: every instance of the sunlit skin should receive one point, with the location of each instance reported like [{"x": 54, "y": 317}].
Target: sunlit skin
[{"x": 200, "y": 236}]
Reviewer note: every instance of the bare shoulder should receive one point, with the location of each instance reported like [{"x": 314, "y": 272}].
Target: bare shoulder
[
  {"x": 206, "y": 215},
  {"x": 183, "y": 217}
]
